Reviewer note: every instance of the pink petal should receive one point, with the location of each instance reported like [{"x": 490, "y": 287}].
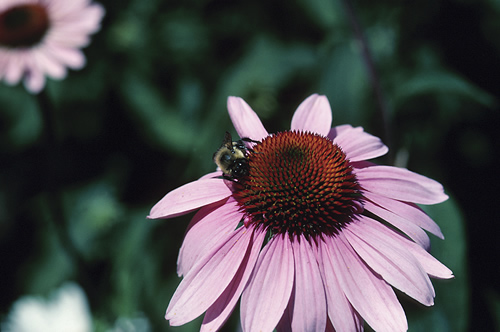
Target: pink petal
[
  {"x": 4, "y": 59},
  {"x": 401, "y": 184},
  {"x": 216, "y": 174},
  {"x": 206, "y": 281},
  {"x": 408, "y": 211},
  {"x": 189, "y": 197},
  {"x": 71, "y": 57},
  {"x": 245, "y": 120},
  {"x": 266, "y": 296},
  {"x": 393, "y": 262},
  {"x": 69, "y": 38},
  {"x": 218, "y": 313},
  {"x": 370, "y": 295},
  {"x": 430, "y": 264},
  {"x": 90, "y": 19},
  {"x": 309, "y": 308},
  {"x": 45, "y": 60},
  {"x": 357, "y": 144},
  {"x": 362, "y": 164},
  {"x": 340, "y": 311},
  {"x": 210, "y": 226},
  {"x": 16, "y": 66},
  {"x": 313, "y": 115},
  {"x": 60, "y": 9},
  {"x": 338, "y": 130},
  {"x": 413, "y": 231},
  {"x": 34, "y": 81},
  {"x": 78, "y": 19}
]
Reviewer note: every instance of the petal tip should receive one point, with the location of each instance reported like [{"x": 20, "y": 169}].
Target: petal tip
[{"x": 231, "y": 100}]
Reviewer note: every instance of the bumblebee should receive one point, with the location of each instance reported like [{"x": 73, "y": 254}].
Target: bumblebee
[{"x": 232, "y": 157}]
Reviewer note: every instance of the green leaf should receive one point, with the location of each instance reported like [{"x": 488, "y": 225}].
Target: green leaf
[{"x": 162, "y": 123}]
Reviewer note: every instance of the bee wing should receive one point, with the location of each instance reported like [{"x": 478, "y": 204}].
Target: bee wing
[{"x": 228, "y": 141}]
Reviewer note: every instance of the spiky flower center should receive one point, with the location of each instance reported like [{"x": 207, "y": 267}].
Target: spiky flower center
[
  {"x": 298, "y": 183},
  {"x": 23, "y": 25}
]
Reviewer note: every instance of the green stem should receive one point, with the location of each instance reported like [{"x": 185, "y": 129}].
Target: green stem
[{"x": 383, "y": 108}]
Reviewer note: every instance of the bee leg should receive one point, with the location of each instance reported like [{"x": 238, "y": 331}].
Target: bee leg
[
  {"x": 228, "y": 177},
  {"x": 246, "y": 139},
  {"x": 249, "y": 140}
]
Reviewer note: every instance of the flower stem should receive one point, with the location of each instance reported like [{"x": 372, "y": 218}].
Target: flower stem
[{"x": 383, "y": 108}]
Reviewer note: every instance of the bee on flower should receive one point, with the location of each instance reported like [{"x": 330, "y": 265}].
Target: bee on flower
[{"x": 311, "y": 237}]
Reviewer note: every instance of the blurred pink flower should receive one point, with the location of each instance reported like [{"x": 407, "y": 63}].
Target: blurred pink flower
[
  {"x": 43, "y": 37},
  {"x": 312, "y": 239}
]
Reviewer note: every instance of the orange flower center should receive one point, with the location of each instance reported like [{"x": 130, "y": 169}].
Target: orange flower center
[
  {"x": 23, "y": 25},
  {"x": 298, "y": 183}
]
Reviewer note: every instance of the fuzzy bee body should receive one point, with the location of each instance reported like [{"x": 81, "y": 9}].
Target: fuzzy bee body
[{"x": 231, "y": 158}]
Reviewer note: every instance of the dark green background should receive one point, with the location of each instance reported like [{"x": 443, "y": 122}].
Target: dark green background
[{"x": 149, "y": 109}]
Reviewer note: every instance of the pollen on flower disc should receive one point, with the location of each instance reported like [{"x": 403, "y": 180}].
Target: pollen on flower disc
[
  {"x": 298, "y": 183},
  {"x": 23, "y": 25}
]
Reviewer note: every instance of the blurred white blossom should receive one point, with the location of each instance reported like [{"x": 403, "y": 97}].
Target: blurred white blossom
[{"x": 66, "y": 310}]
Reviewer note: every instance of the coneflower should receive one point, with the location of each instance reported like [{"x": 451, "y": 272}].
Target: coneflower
[
  {"x": 312, "y": 238},
  {"x": 41, "y": 38}
]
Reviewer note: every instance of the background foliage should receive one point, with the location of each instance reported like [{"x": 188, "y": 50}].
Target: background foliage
[{"x": 147, "y": 112}]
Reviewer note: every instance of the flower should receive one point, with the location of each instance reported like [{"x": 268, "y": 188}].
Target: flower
[
  {"x": 66, "y": 311},
  {"x": 43, "y": 37},
  {"x": 312, "y": 238}
]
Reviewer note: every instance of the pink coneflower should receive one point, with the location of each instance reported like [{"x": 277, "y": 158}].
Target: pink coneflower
[
  {"x": 312, "y": 238},
  {"x": 43, "y": 37}
]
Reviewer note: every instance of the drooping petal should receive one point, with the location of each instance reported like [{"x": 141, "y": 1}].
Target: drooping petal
[
  {"x": 357, "y": 144},
  {"x": 342, "y": 315},
  {"x": 219, "y": 312},
  {"x": 401, "y": 184},
  {"x": 245, "y": 120},
  {"x": 206, "y": 281},
  {"x": 208, "y": 227},
  {"x": 413, "y": 231},
  {"x": 189, "y": 197},
  {"x": 431, "y": 265},
  {"x": 313, "y": 115},
  {"x": 407, "y": 211},
  {"x": 393, "y": 262},
  {"x": 309, "y": 307},
  {"x": 266, "y": 296},
  {"x": 368, "y": 293}
]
